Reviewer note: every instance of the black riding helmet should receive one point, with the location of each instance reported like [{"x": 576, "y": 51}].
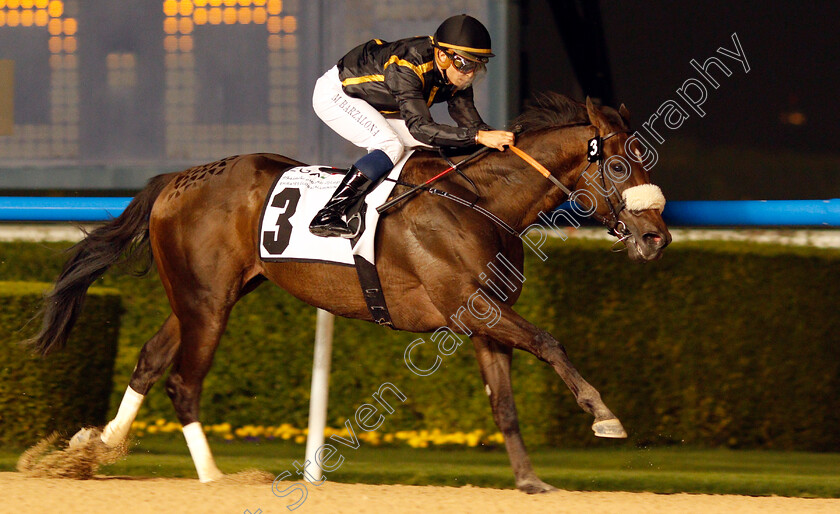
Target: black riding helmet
[{"x": 465, "y": 36}]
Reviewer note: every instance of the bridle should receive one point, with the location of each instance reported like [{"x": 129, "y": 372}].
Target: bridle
[{"x": 595, "y": 154}]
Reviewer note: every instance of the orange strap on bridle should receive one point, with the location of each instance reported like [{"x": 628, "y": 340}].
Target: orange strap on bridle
[
  {"x": 530, "y": 160},
  {"x": 539, "y": 167},
  {"x": 612, "y": 224}
]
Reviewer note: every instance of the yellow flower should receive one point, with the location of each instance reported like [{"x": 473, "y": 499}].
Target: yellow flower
[
  {"x": 496, "y": 438},
  {"x": 228, "y": 437},
  {"x": 418, "y": 442},
  {"x": 300, "y": 439},
  {"x": 153, "y": 429},
  {"x": 370, "y": 437},
  {"x": 170, "y": 427}
]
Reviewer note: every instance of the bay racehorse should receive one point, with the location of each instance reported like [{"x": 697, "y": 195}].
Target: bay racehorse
[{"x": 202, "y": 228}]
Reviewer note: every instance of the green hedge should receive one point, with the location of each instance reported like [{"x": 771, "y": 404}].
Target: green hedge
[
  {"x": 66, "y": 390},
  {"x": 715, "y": 345}
]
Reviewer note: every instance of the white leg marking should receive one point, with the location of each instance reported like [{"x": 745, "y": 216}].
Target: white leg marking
[
  {"x": 200, "y": 451},
  {"x": 117, "y": 430}
]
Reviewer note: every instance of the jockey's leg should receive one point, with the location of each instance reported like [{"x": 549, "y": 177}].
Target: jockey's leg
[
  {"x": 329, "y": 221},
  {"x": 360, "y": 123}
]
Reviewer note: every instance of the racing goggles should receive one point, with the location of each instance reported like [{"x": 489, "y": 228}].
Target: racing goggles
[{"x": 465, "y": 65}]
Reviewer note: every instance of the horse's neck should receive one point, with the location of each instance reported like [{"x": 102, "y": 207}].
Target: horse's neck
[{"x": 516, "y": 192}]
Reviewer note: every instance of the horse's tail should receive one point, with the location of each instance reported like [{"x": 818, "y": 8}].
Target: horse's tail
[{"x": 117, "y": 240}]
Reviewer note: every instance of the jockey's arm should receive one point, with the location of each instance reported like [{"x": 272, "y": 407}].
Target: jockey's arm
[
  {"x": 462, "y": 110},
  {"x": 425, "y": 130},
  {"x": 407, "y": 88},
  {"x": 497, "y": 139}
]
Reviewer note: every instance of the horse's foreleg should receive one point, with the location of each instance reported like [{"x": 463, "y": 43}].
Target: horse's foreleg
[
  {"x": 512, "y": 330},
  {"x": 199, "y": 339},
  {"x": 494, "y": 362}
]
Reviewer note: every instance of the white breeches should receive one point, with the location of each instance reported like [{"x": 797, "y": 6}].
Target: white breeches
[{"x": 357, "y": 121}]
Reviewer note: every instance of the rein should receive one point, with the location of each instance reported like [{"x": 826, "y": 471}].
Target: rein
[
  {"x": 595, "y": 154},
  {"x": 457, "y": 199},
  {"x": 614, "y": 226}
]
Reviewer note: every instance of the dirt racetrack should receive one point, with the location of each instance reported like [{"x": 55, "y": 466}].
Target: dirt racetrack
[{"x": 129, "y": 495}]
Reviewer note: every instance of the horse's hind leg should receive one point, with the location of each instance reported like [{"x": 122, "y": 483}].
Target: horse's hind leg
[
  {"x": 494, "y": 363},
  {"x": 201, "y": 331},
  {"x": 157, "y": 355}
]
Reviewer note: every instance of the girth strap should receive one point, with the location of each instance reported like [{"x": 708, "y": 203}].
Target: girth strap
[{"x": 372, "y": 291}]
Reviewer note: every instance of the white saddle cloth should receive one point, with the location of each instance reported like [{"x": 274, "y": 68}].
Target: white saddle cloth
[{"x": 296, "y": 197}]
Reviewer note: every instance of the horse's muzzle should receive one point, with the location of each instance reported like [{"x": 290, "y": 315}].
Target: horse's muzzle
[
  {"x": 649, "y": 235},
  {"x": 649, "y": 246}
]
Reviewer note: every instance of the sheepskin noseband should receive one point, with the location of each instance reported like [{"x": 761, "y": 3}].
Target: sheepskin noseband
[{"x": 644, "y": 197}]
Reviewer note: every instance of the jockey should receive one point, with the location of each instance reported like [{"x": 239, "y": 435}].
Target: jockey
[{"x": 378, "y": 98}]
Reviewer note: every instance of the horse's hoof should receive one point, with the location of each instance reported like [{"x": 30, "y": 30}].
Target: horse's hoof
[
  {"x": 534, "y": 486},
  {"x": 609, "y": 428},
  {"x": 210, "y": 477},
  {"x": 83, "y": 437}
]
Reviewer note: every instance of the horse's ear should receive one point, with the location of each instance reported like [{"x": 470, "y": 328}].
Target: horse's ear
[
  {"x": 595, "y": 116},
  {"x": 625, "y": 114},
  {"x": 590, "y": 110}
]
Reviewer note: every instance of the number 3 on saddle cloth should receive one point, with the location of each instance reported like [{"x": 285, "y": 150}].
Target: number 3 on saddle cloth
[{"x": 296, "y": 197}]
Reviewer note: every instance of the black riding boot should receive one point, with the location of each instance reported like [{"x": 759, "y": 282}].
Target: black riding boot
[{"x": 328, "y": 222}]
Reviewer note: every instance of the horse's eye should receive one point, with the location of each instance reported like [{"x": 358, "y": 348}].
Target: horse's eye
[{"x": 618, "y": 167}]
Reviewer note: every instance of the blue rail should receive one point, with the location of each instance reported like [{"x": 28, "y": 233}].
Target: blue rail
[
  {"x": 777, "y": 213},
  {"x": 747, "y": 213},
  {"x": 29, "y": 208},
  {"x": 823, "y": 213}
]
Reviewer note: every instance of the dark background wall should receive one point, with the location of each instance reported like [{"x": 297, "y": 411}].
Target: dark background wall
[{"x": 769, "y": 133}]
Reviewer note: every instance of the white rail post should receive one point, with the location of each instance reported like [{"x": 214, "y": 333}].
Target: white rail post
[{"x": 319, "y": 392}]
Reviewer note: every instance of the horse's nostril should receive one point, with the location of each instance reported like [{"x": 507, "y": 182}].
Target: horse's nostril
[{"x": 653, "y": 239}]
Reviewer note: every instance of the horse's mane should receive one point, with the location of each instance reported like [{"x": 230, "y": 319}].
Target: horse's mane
[
  {"x": 553, "y": 110},
  {"x": 550, "y": 110}
]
